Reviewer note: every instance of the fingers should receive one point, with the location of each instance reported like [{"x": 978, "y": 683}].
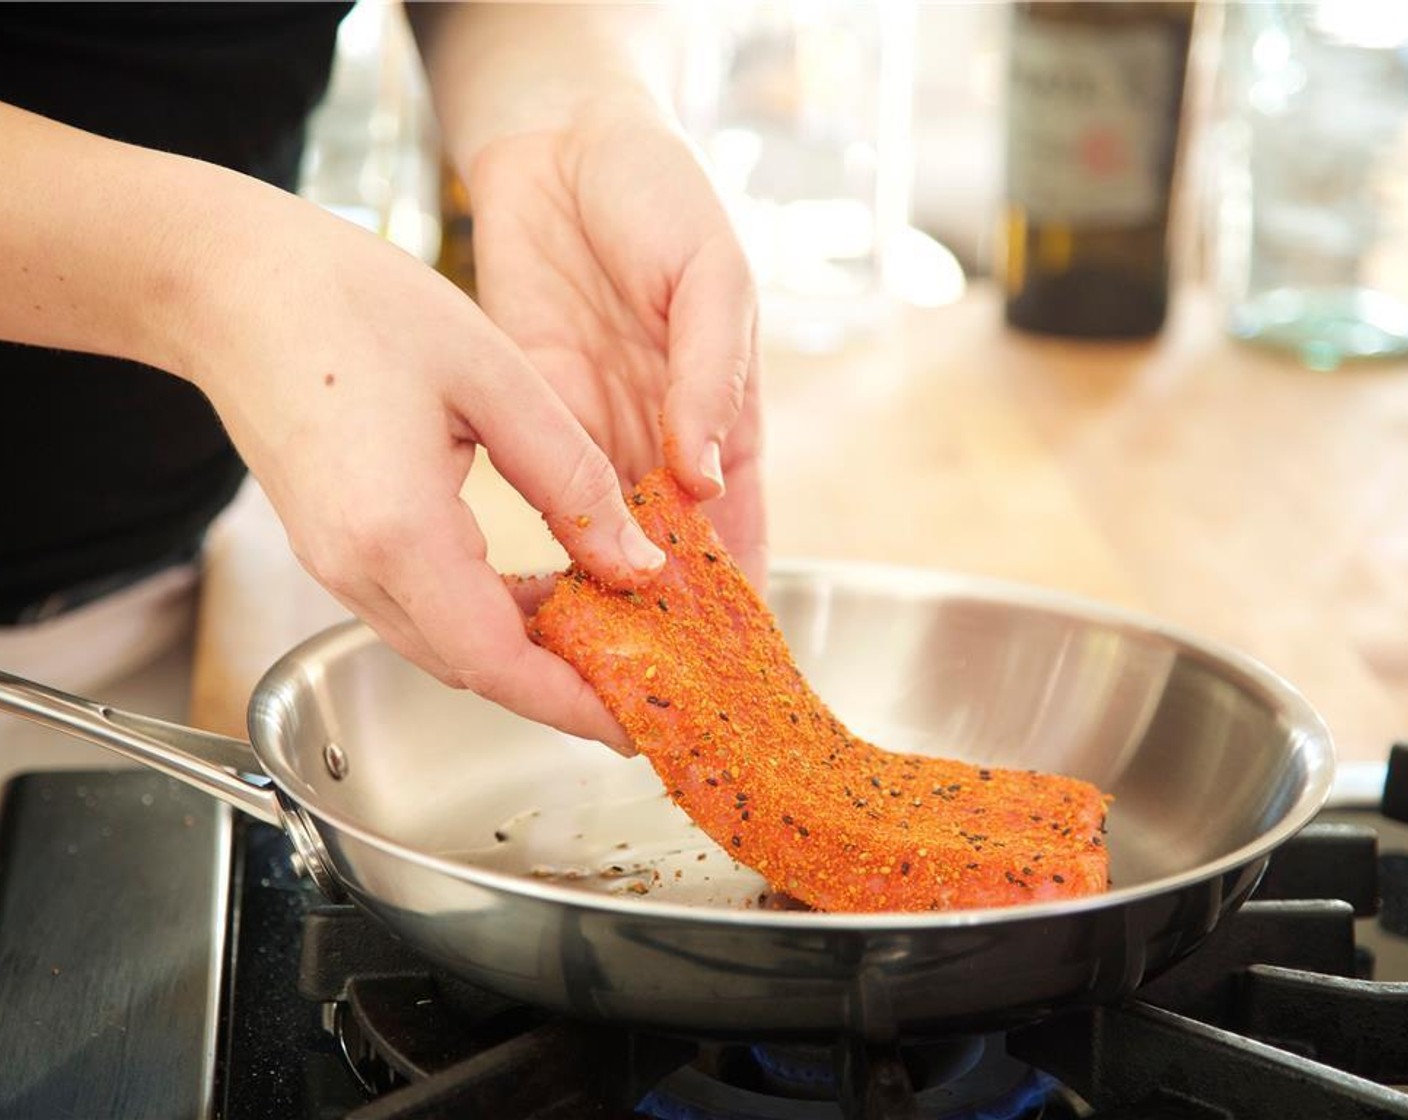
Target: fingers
[
  {"x": 738, "y": 518},
  {"x": 379, "y": 611},
  {"x": 713, "y": 332},
  {"x": 529, "y": 592},
  {"x": 713, "y": 404},
  {"x": 548, "y": 457},
  {"x": 414, "y": 570},
  {"x": 466, "y": 615}
]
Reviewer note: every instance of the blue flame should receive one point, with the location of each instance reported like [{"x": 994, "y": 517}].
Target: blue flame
[
  {"x": 664, "y": 1107},
  {"x": 1022, "y": 1103},
  {"x": 810, "y": 1070}
]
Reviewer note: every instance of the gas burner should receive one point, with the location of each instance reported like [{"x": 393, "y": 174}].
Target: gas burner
[
  {"x": 956, "y": 1079},
  {"x": 401, "y": 1026},
  {"x": 394, "y": 1030},
  {"x": 427, "y": 1046},
  {"x": 1268, "y": 1016}
]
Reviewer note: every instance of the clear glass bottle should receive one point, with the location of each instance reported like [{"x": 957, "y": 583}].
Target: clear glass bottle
[
  {"x": 1310, "y": 172},
  {"x": 371, "y": 155},
  {"x": 803, "y": 110}
]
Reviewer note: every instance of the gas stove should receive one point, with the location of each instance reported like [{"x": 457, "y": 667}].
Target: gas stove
[{"x": 160, "y": 956}]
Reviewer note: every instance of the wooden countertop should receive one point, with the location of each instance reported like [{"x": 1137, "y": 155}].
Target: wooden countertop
[{"x": 1216, "y": 486}]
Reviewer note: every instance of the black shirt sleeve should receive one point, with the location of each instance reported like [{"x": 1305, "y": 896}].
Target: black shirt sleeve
[{"x": 108, "y": 466}]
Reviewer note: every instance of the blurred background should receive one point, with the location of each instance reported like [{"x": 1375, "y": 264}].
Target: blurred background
[
  {"x": 858, "y": 143},
  {"x": 867, "y": 148}
]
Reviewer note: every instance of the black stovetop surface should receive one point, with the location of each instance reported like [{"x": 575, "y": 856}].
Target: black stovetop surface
[{"x": 278, "y": 1059}]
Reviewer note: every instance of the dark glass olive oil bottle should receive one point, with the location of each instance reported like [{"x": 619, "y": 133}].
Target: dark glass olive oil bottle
[{"x": 1094, "y": 105}]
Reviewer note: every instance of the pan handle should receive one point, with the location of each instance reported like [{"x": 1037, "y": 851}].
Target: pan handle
[{"x": 216, "y": 764}]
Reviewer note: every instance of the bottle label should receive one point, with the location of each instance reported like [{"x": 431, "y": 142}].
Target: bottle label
[{"x": 1089, "y": 115}]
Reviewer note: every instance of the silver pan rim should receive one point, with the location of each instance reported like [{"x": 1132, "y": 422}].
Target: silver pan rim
[{"x": 1313, "y": 742}]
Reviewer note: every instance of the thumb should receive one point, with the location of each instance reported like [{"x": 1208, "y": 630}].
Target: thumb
[{"x": 713, "y": 321}]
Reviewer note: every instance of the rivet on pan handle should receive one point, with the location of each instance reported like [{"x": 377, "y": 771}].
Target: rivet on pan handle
[{"x": 310, "y": 854}]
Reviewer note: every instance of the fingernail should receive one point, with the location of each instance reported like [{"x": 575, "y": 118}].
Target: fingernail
[
  {"x": 640, "y": 553},
  {"x": 710, "y": 466}
]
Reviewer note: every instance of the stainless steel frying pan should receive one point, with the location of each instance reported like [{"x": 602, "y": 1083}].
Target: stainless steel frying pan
[{"x": 551, "y": 871}]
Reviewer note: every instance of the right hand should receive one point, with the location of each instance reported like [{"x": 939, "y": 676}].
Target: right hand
[
  {"x": 602, "y": 249},
  {"x": 357, "y": 384}
]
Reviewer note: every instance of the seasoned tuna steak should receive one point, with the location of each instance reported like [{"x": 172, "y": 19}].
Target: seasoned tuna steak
[{"x": 696, "y": 670}]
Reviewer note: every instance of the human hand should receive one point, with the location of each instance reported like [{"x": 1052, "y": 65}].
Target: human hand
[
  {"x": 358, "y": 385},
  {"x": 602, "y": 250}
]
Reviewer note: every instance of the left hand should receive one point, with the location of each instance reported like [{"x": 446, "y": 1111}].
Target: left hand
[{"x": 602, "y": 250}]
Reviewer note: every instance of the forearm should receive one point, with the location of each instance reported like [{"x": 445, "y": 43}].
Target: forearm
[
  {"x": 502, "y": 68},
  {"x": 107, "y": 247}
]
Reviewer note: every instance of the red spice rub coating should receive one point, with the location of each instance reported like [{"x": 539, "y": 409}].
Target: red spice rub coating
[{"x": 697, "y": 672}]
